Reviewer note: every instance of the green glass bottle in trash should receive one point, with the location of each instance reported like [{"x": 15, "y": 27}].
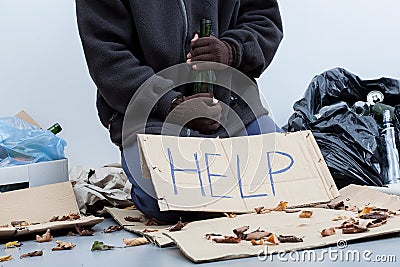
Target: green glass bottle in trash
[
  {"x": 55, "y": 128},
  {"x": 204, "y": 78}
]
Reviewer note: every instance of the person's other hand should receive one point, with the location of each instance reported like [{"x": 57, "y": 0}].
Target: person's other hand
[
  {"x": 199, "y": 112},
  {"x": 210, "y": 49}
]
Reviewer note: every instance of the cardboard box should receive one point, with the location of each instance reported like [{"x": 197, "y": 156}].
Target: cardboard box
[
  {"x": 39, "y": 205},
  {"x": 36, "y": 174},
  {"x": 236, "y": 174}
]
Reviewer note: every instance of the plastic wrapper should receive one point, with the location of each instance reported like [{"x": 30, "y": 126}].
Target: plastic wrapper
[
  {"x": 351, "y": 144},
  {"x": 23, "y": 143}
]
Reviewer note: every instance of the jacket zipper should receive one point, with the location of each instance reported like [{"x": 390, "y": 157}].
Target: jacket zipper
[{"x": 182, "y": 2}]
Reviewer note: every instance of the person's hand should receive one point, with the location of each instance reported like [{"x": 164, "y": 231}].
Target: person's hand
[
  {"x": 199, "y": 112},
  {"x": 210, "y": 49}
]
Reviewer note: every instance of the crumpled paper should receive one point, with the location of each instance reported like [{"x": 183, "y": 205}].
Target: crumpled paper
[{"x": 106, "y": 186}]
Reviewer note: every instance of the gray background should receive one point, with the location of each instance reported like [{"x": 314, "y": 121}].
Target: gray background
[{"x": 42, "y": 68}]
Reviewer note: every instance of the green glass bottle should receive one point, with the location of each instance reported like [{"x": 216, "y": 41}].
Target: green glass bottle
[
  {"x": 205, "y": 78},
  {"x": 55, "y": 128}
]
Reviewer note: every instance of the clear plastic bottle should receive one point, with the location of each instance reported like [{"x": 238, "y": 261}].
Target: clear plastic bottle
[{"x": 393, "y": 172}]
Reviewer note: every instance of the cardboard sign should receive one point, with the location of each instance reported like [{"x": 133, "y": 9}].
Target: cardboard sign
[{"x": 236, "y": 174}]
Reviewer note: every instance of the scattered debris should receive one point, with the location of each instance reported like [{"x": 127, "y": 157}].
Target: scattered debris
[
  {"x": 131, "y": 242},
  {"x": 83, "y": 231},
  {"x": 98, "y": 245},
  {"x": 13, "y": 244},
  {"x": 19, "y": 223},
  {"x": 177, "y": 227},
  {"x": 113, "y": 228},
  {"x": 63, "y": 246},
  {"x": 366, "y": 210},
  {"x": 70, "y": 217},
  {"x": 328, "y": 231},
  {"x": 35, "y": 253},
  {"x": 6, "y": 258},
  {"x": 305, "y": 214},
  {"x": 257, "y": 242},
  {"x": 133, "y": 219},
  {"x": 289, "y": 239},
  {"x": 4, "y": 226},
  {"x": 46, "y": 237}
]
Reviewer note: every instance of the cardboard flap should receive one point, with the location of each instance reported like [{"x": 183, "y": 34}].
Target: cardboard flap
[
  {"x": 37, "y": 204},
  {"x": 236, "y": 174},
  {"x": 193, "y": 244}
]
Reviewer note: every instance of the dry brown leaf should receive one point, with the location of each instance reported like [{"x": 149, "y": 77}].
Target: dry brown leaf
[
  {"x": 240, "y": 232},
  {"x": 70, "y": 233},
  {"x": 376, "y": 223},
  {"x": 6, "y": 258},
  {"x": 292, "y": 211},
  {"x": 131, "y": 242},
  {"x": 354, "y": 229},
  {"x": 272, "y": 239},
  {"x": 256, "y": 235},
  {"x": 257, "y": 242},
  {"x": 230, "y": 215},
  {"x": 209, "y": 236},
  {"x": 177, "y": 227},
  {"x": 13, "y": 244},
  {"x": 305, "y": 214},
  {"x": 46, "y": 237},
  {"x": 289, "y": 239},
  {"x": 339, "y": 218},
  {"x": 35, "y": 253},
  {"x": 148, "y": 230},
  {"x": 133, "y": 219},
  {"x": 113, "y": 228},
  {"x": 338, "y": 206},
  {"x": 63, "y": 245},
  {"x": 366, "y": 210},
  {"x": 375, "y": 215},
  {"x": 227, "y": 239},
  {"x": 281, "y": 206},
  {"x": 19, "y": 223},
  {"x": 328, "y": 231},
  {"x": 82, "y": 231}
]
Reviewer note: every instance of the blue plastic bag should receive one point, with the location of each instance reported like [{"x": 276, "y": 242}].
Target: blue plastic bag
[{"x": 23, "y": 143}]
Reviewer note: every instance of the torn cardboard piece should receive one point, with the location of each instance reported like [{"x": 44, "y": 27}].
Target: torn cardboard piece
[
  {"x": 138, "y": 228},
  {"x": 360, "y": 196},
  {"x": 39, "y": 205},
  {"x": 236, "y": 174},
  {"x": 193, "y": 244}
]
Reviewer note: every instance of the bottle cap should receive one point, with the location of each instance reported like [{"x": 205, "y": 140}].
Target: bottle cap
[{"x": 374, "y": 97}]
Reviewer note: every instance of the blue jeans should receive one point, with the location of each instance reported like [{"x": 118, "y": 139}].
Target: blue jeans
[{"x": 143, "y": 194}]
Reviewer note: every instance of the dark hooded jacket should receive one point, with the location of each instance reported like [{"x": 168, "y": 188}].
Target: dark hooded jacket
[{"x": 128, "y": 41}]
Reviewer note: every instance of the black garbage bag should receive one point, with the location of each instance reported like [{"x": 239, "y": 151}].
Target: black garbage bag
[{"x": 350, "y": 144}]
